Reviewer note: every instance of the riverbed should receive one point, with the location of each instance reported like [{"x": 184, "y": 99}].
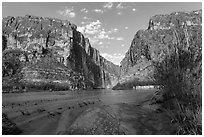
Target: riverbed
[{"x": 112, "y": 112}]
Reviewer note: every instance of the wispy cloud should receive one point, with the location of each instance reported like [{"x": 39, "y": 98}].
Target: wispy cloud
[
  {"x": 84, "y": 10},
  {"x": 134, "y": 9},
  {"x": 120, "y": 38},
  {"x": 95, "y": 32},
  {"x": 98, "y": 11},
  {"x": 115, "y": 58},
  {"x": 113, "y": 30},
  {"x": 119, "y": 13},
  {"x": 103, "y": 35},
  {"x": 91, "y": 28},
  {"x": 67, "y": 12},
  {"x": 86, "y": 18},
  {"x": 108, "y": 5},
  {"x": 100, "y": 43},
  {"x": 120, "y": 6}
]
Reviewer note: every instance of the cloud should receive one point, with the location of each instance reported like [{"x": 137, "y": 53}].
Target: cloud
[
  {"x": 95, "y": 32},
  {"x": 91, "y": 28},
  {"x": 113, "y": 30},
  {"x": 98, "y": 11},
  {"x": 102, "y": 36},
  {"x": 120, "y": 6},
  {"x": 126, "y": 27},
  {"x": 115, "y": 58},
  {"x": 67, "y": 12},
  {"x": 119, "y": 13},
  {"x": 106, "y": 34},
  {"x": 120, "y": 38},
  {"x": 108, "y": 5},
  {"x": 133, "y": 9},
  {"x": 123, "y": 6},
  {"x": 100, "y": 43},
  {"x": 81, "y": 29},
  {"x": 86, "y": 18},
  {"x": 93, "y": 41},
  {"x": 84, "y": 10}
]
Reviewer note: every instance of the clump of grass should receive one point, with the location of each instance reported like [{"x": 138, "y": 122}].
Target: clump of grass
[{"x": 180, "y": 76}]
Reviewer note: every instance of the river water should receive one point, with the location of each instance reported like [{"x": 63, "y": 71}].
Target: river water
[
  {"x": 52, "y": 112},
  {"x": 105, "y": 95}
]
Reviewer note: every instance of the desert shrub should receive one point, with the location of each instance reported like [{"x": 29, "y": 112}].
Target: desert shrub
[
  {"x": 4, "y": 42},
  {"x": 11, "y": 64},
  {"x": 50, "y": 86},
  {"x": 180, "y": 77}
]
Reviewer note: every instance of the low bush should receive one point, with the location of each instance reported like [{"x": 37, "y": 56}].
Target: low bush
[{"x": 180, "y": 77}]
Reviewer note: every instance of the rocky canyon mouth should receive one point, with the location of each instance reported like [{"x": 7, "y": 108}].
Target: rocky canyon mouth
[{"x": 55, "y": 83}]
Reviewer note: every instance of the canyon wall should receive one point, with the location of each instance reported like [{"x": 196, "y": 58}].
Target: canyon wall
[
  {"x": 40, "y": 50},
  {"x": 164, "y": 36},
  {"x": 51, "y": 52}
]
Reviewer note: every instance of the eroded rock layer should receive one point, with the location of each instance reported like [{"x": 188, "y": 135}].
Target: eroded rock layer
[{"x": 52, "y": 51}]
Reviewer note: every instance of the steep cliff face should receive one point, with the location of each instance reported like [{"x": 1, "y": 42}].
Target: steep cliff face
[
  {"x": 164, "y": 36},
  {"x": 48, "y": 46}
]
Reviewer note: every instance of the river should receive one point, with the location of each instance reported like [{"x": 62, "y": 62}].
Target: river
[{"x": 78, "y": 112}]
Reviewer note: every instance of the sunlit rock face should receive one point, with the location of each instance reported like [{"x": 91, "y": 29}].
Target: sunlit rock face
[
  {"x": 55, "y": 47},
  {"x": 164, "y": 35}
]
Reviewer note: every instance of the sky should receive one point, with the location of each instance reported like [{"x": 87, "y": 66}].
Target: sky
[{"x": 110, "y": 26}]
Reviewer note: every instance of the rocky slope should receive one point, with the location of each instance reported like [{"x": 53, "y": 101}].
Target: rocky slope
[
  {"x": 47, "y": 51},
  {"x": 164, "y": 36}
]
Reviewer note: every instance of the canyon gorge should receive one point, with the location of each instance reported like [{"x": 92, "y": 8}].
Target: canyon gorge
[{"x": 48, "y": 53}]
